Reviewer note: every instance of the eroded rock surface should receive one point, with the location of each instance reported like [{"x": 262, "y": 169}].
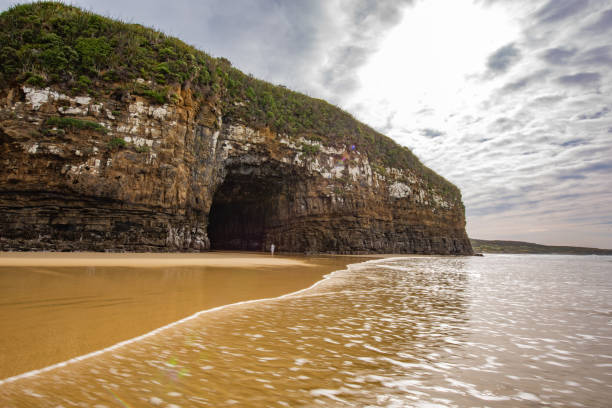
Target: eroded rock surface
[{"x": 186, "y": 181}]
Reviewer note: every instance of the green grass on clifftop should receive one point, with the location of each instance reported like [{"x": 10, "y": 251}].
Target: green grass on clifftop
[
  {"x": 52, "y": 44},
  {"x": 519, "y": 247}
]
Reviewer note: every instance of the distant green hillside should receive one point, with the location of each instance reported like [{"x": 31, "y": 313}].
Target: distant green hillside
[
  {"x": 518, "y": 247},
  {"x": 50, "y": 44}
]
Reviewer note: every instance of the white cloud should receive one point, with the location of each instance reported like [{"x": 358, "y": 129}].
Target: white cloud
[{"x": 530, "y": 146}]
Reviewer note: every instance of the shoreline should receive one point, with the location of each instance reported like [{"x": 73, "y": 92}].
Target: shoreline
[
  {"x": 164, "y": 259},
  {"x": 277, "y": 276},
  {"x": 166, "y": 327},
  {"x": 147, "y": 260}
]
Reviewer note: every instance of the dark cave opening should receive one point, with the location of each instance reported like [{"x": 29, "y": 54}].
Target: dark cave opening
[{"x": 245, "y": 211}]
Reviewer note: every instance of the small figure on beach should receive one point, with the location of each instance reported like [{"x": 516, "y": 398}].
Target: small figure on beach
[{"x": 272, "y": 249}]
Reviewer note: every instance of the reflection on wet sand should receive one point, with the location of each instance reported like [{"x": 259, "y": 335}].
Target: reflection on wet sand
[
  {"x": 501, "y": 331},
  {"x": 50, "y": 314},
  {"x": 293, "y": 348}
]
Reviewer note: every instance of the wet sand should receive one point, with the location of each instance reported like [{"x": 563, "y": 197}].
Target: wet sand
[
  {"x": 147, "y": 260},
  {"x": 499, "y": 331},
  {"x": 57, "y": 306}
]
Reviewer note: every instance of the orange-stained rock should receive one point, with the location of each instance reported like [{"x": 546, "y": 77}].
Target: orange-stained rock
[{"x": 186, "y": 181}]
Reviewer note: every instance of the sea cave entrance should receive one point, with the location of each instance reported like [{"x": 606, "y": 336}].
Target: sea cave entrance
[{"x": 249, "y": 209}]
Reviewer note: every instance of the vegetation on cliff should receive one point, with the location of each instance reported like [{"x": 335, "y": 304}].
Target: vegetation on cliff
[
  {"x": 519, "y": 247},
  {"x": 73, "y": 124},
  {"x": 52, "y": 44}
]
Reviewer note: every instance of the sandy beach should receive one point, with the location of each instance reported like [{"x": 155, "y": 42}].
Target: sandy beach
[
  {"x": 148, "y": 260},
  {"x": 56, "y": 306}
]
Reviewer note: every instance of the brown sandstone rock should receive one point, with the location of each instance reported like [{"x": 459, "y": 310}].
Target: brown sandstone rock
[{"x": 186, "y": 181}]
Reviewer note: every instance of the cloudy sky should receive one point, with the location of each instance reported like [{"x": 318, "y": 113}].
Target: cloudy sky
[{"x": 511, "y": 100}]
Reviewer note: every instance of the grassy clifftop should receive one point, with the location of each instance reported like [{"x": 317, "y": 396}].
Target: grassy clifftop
[
  {"x": 52, "y": 44},
  {"x": 519, "y": 247}
]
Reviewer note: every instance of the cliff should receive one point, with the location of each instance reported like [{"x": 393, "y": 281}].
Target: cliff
[{"x": 116, "y": 137}]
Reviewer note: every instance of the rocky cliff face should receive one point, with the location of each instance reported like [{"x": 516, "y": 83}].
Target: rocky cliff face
[
  {"x": 194, "y": 156},
  {"x": 184, "y": 180}
]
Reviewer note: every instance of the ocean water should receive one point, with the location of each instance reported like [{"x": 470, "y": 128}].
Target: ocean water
[{"x": 497, "y": 331}]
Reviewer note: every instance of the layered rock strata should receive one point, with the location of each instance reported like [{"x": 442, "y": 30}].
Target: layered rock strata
[{"x": 176, "y": 177}]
